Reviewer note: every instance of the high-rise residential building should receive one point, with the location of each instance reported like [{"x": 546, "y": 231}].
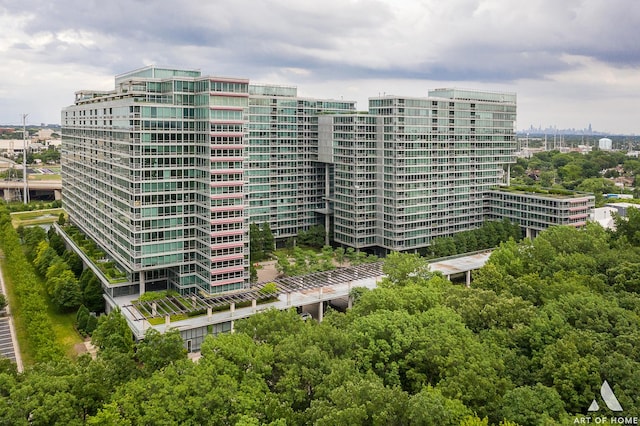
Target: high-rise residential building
[
  {"x": 417, "y": 168},
  {"x": 166, "y": 171},
  {"x": 286, "y": 182},
  {"x": 154, "y": 172}
]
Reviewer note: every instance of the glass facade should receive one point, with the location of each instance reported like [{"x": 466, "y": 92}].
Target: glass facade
[
  {"x": 166, "y": 171},
  {"x": 416, "y": 168},
  {"x": 286, "y": 180},
  {"x": 153, "y": 172}
]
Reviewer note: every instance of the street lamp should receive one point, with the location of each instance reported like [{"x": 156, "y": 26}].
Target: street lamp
[{"x": 24, "y": 158}]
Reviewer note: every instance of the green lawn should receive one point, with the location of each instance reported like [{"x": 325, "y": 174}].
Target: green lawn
[
  {"x": 63, "y": 325},
  {"x": 35, "y": 217}
]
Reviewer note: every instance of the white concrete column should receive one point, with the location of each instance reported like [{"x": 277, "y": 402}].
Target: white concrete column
[
  {"x": 167, "y": 319},
  {"x": 469, "y": 278},
  {"x": 327, "y": 191},
  {"x": 154, "y": 309},
  {"x": 349, "y": 302},
  {"x": 232, "y": 307},
  {"x": 320, "y": 311},
  {"x": 142, "y": 283},
  {"x": 254, "y": 303},
  {"x": 233, "y": 329},
  {"x": 209, "y": 312},
  {"x": 449, "y": 277}
]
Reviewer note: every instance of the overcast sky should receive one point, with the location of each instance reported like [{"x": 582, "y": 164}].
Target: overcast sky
[{"x": 571, "y": 62}]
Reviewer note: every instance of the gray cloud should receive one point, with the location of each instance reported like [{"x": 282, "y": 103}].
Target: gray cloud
[{"x": 499, "y": 42}]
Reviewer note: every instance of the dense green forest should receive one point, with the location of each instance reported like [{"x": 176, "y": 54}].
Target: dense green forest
[{"x": 545, "y": 322}]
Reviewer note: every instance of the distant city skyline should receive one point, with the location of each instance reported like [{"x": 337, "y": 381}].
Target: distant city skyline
[{"x": 570, "y": 63}]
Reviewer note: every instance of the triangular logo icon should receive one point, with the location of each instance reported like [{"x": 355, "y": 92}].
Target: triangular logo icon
[{"x": 608, "y": 397}]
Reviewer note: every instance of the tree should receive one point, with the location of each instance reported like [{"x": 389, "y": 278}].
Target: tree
[
  {"x": 628, "y": 227},
  {"x": 92, "y": 293},
  {"x": 66, "y": 294},
  {"x": 365, "y": 401},
  {"x": 313, "y": 237},
  {"x": 269, "y": 289},
  {"x": 256, "y": 243},
  {"x": 597, "y": 186},
  {"x": 3, "y": 301},
  {"x": 56, "y": 242},
  {"x": 443, "y": 246},
  {"x": 33, "y": 235},
  {"x": 82, "y": 316},
  {"x": 44, "y": 258},
  {"x": 253, "y": 273},
  {"x": 113, "y": 335},
  {"x": 429, "y": 407},
  {"x": 268, "y": 241},
  {"x": 532, "y": 405},
  {"x": 61, "y": 219},
  {"x": 339, "y": 255},
  {"x": 158, "y": 350},
  {"x": 405, "y": 268},
  {"x": 74, "y": 261}
]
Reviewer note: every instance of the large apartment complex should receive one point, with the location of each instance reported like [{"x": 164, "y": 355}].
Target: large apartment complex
[
  {"x": 166, "y": 171},
  {"x": 413, "y": 169}
]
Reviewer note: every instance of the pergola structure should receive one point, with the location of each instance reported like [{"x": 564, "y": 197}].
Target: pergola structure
[{"x": 199, "y": 302}]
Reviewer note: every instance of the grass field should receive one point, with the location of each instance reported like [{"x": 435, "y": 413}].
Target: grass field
[{"x": 36, "y": 217}]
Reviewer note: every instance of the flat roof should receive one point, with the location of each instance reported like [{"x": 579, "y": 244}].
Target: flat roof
[
  {"x": 459, "y": 265},
  {"x": 542, "y": 193}
]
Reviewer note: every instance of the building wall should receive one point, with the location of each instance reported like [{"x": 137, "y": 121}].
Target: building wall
[
  {"x": 286, "y": 179},
  {"x": 153, "y": 172},
  {"x": 536, "y": 212},
  {"x": 419, "y": 167}
]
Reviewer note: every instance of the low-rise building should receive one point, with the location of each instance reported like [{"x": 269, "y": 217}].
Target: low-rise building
[{"x": 537, "y": 211}]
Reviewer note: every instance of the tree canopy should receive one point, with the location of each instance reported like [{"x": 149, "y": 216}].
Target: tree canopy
[{"x": 544, "y": 323}]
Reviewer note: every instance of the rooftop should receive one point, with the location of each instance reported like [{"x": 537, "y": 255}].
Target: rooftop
[{"x": 542, "y": 192}]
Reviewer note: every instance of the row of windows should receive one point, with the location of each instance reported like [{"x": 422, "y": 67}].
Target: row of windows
[
  {"x": 228, "y": 251},
  {"x": 227, "y": 227}
]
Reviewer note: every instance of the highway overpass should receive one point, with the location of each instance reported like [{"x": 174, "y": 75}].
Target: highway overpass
[{"x": 12, "y": 190}]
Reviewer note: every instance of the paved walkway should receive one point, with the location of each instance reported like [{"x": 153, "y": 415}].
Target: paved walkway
[{"x": 8, "y": 344}]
